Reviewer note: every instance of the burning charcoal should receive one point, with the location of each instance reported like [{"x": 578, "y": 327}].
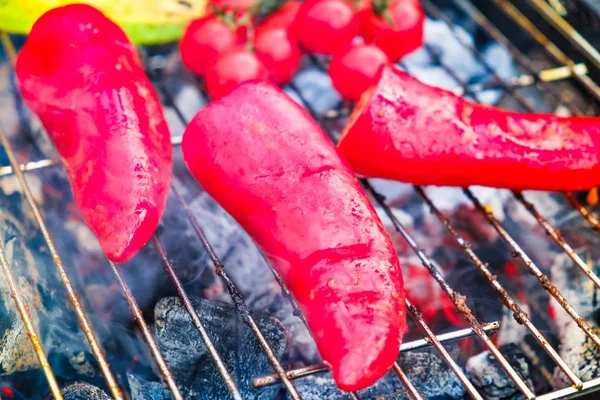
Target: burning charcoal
[
  {"x": 189, "y": 359},
  {"x": 425, "y": 369},
  {"x": 428, "y": 371},
  {"x": 578, "y": 351},
  {"x": 251, "y": 274},
  {"x": 577, "y": 288},
  {"x": 142, "y": 389},
  {"x": 491, "y": 380},
  {"x": 84, "y": 391},
  {"x": 580, "y": 354}
]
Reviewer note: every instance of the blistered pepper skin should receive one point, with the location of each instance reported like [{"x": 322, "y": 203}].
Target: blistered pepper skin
[
  {"x": 407, "y": 131},
  {"x": 82, "y": 77},
  {"x": 269, "y": 164}
]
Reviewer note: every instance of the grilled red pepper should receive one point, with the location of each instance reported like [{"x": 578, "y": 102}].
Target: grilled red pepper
[
  {"x": 269, "y": 164},
  {"x": 405, "y": 130},
  {"x": 81, "y": 75}
]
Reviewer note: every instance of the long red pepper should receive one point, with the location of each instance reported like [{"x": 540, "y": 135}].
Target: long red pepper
[
  {"x": 405, "y": 130},
  {"x": 81, "y": 75},
  {"x": 270, "y": 165}
]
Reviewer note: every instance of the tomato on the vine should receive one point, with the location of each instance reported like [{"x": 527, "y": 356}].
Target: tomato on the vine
[
  {"x": 283, "y": 17},
  {"x": 326, "y": 26},
  {"x": 355, "y": 69},
  {"x": 395, "y": 26},
  {"x": 204, "y": 41},
  {"x": 278, "y": 52},
  {"x": 236, "y": 66}
]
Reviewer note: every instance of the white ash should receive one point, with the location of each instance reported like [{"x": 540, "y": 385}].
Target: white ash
[
  {"x": 577, "y": 289},
  {"x": 145, "y": 390},
  {"x": 490, "y": 379},
  {"x": 84, "y": 391},
  {"x": 510, "y": 330},
  {"x": 579, "y": 352}
]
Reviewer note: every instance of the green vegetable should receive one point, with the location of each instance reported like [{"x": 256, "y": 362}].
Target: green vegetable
[{"x": 144, "y": 21}]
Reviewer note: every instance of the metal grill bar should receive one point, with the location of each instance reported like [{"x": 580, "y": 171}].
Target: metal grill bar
[
  {"x": 416, "y": 315},
  {"x": 478, "y": 329},
  {"x": 524, "y": 61},
  {"x": 518, "y": 313},
  {"x": 169, "y": 101},
  {"x": 557, "y": 237},
  {"x": 554, "y": 233},
  {"x": 575, "y": 70},
  {"x": 228, "y": 379},
  {"x": 457, "y": 299},
  {"x": 559, "y": 240},
  {"x": 137, "y": 314},
  {"x": 84, "y": 322},
  {"x": 437, "y": 13},
  {"x": 533, "y": 269},
  {"x": 567, "y": 30},
  {"x": 241, "y": 307},
  {"x": 516, "y": 15},
  {"x": 406, "y": 382},
  {"x": 86, "y": 326},
  {"x": 23, "y": 310},
  {"x": 594, "y": 222},
  {"x": 489, "y": 328},
  {"x": 551, "y": 231}
]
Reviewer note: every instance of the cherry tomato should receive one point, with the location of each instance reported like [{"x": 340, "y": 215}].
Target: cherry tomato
[
  {"x": 233, "y": 68},
  {"x": 355, "y": 69},
  {"x": 326, "y": 26},
  {"x": 397, "y": 29},
  {"x": 278, "y": 52},
  {"x": 283, "y": 17},
  {"x": 204, "y": 41}
]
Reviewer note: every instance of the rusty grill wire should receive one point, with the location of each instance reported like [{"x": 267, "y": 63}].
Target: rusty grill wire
[{"x": 542, "y": 79}]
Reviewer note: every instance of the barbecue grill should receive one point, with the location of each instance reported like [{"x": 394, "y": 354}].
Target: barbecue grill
[{"x": 560, "y": 65}]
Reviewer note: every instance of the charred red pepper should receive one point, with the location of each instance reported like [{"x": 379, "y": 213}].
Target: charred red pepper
[
  {"x": 405, "y": 130},
  {"x": 81, "y": 75},
  {"x": 270, "y": 165}
]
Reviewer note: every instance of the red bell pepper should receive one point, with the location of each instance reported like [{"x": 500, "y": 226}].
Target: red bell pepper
[
  {"x": 81, "y": 75},
  {"x": 271, "y": 166},
  {"x": 404, "y": 130}
]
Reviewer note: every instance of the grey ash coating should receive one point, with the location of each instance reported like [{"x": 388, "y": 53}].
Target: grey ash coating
[
  {"x": 84, "y": 391},
  {"x": 491, "y": 380},
  {"x": 189, "y": 359}
]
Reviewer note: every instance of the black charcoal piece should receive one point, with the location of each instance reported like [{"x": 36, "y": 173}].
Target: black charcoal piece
[
  {"x": 188, "y": 357},
  {"x": 84, "y": 391},
  {"x": 490, "y": 379}
]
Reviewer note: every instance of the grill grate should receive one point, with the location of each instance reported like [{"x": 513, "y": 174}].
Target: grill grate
[{"x": 567, "y": 69}]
